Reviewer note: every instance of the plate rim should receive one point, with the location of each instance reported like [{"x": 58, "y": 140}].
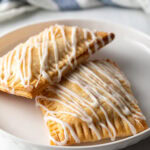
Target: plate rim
[{"x": 102, "y": 21}]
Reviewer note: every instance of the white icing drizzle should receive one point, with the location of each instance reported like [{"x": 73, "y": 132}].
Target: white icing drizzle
[
  {"x": 94, "y": 39},
  {"x": 44, "y": 55},
  {"x": 55, "y": 53},
  {"x": 65, "y": 43},
  {"x": 8, "y": 71},
  {"x": 23, "y": 70},
  {"x": 85, "y": 32},
  {"x": 98, "y": 91},
  {"x": 29, "y": 65},
  {"x": 21, "y": 64},
  {"x": 74, "y": 42},
  {"x": 117, "y": 84},
  {"x": 64, "y": 126}
]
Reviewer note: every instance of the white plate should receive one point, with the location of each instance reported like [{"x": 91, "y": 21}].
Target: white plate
[{"x": 21, "y": 123}]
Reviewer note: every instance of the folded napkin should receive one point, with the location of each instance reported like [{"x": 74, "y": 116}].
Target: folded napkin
[{"x": 13, "y": 8}]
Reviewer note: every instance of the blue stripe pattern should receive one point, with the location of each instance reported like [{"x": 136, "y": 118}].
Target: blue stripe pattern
[
  {"x": 63, "y": 4},
  {"x": 67, "y": 4},
  {"x": 22, "y": 6},
  {"x": 110, "y": 3},
  {"x": 107, "y": 2}
]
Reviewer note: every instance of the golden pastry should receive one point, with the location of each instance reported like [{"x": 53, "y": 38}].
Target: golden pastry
[
  {"x": 46, "y": 57},
  {"x": 94, "y": 103}
]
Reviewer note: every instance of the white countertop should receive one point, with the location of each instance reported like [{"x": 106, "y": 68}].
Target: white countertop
[{"x": 133, "y": 18}]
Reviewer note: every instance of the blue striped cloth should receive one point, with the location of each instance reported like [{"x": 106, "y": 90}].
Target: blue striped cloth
[{"x": 13, "y": 8}]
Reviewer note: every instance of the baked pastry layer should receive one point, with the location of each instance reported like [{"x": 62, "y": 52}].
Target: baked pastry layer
[
  {"x": 94, "y": 103},
  {"x": 44, "y": 58}
]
